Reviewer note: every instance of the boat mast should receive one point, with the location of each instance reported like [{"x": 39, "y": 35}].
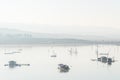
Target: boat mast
[{"x": 97, "y": 51}]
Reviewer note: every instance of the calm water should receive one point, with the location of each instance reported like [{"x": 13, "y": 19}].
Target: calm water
[{"x": 44, "y": 67}]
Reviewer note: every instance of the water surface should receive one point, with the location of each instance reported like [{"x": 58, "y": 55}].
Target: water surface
[{"x": 44, "y": 67}]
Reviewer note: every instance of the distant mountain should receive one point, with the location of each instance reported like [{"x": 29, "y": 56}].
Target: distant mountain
[
  {"x": 13, "y": 33},
  {"x": 13, "y": 36}
]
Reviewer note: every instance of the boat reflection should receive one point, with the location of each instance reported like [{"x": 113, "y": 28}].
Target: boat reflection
[{"x": 73, "y": 51}]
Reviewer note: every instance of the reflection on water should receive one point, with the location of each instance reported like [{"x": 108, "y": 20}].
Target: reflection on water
[
  {"x": 13, "y": 52},
  {"x": 73, "y": 51},
  {"x": 45, "y": 62}
]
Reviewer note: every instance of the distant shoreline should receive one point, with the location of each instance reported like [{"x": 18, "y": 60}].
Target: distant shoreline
[{"x": 60, "y": 44}]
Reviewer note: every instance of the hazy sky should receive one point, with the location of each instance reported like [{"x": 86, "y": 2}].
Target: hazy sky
[{"x": 62, "y": 16}]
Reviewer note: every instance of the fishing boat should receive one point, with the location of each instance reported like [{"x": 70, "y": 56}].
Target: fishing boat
[
  {"x": 13, "y": 64},
  {"x": 63, "y": 68},
  {"x": 104, "y": 58}
]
